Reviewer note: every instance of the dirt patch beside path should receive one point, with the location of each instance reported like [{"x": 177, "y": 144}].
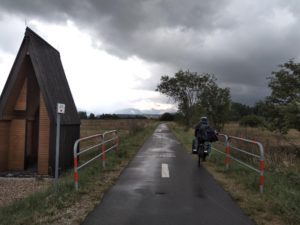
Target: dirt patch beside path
[{"x": 12, "y": 189}]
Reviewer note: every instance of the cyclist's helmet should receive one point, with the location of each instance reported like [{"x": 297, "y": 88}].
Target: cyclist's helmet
[{"x": 204, "y": 120}]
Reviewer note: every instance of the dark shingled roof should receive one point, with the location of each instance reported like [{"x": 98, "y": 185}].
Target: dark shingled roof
[{"x": 50, "y": 76}]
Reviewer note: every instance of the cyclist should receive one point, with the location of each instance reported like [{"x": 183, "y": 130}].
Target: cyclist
[{"x": 204, "y": 134}]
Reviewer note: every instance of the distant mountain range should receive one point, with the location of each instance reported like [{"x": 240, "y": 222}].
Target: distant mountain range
[{"x": 133, "y": 111}]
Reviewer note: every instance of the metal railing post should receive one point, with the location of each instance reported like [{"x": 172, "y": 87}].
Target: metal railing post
[
  {"x": 229, "y": 147},
  {"x": 262, "y": 168},
  {"x": 117, "y": 143},
  {"x": 75, "y": 165},
  {"x": 114, "y": 140},
  {"x": 227, "y": 151},
  {"x": 103, "y": 154}
]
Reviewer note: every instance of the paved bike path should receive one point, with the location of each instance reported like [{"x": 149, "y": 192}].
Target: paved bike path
[{"x": 185, "y": 195}]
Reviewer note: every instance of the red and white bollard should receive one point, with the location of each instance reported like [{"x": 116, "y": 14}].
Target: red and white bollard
[
  {"x": 227, "y": 155},
  {"x": 103, "y": 156},
  {"x": 261, "y": 177},
  {"x": 76, "y": 173},
  {"x": 117, "y": 142}
]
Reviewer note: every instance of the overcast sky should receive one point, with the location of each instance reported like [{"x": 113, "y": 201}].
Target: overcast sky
[{"x": 114, "y": 52}]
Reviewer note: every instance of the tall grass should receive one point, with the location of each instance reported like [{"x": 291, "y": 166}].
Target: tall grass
[
  {"x": 280, "y": 203},
  {"x": 47, "y": 207},
  {"x": 282, "y": 152}
]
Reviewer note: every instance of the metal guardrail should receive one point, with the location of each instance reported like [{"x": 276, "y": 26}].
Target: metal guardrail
[
  {"x": 76, "y": 152},
  {"x": 229, "y": 146}
]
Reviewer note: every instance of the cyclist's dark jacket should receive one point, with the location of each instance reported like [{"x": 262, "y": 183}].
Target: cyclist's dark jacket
[{"x": 200, "y": 129}]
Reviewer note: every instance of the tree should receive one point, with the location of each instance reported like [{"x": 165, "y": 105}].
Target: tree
[
  {"x": 167, "y": 117},
  {"x": 252, "y": 121},
  {"x": 185, "y": 88},
  {"x": 216, "y": 102},
  {"x": 92, "y": 116},
  {"x": 262, "y": 108},
  {"x": 238, "y": 110},
  {"x": 196, "y": 95},
  {"x": 285, "y": 97},
  {"x": 285, "y": 83},
  {"x": 82, "y": 115},
  {"x": 108, "y": 117}
]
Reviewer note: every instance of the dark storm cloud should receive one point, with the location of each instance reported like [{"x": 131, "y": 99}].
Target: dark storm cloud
[
  {"x": 241, "y": 42},
  {"x": 127, "y": 27}
]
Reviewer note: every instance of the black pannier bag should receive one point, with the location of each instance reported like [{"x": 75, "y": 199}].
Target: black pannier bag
[
  {"x": 206, "y": 133},
  {"x": 194, "y": 147},
  {"x": 211, "y": 135}
]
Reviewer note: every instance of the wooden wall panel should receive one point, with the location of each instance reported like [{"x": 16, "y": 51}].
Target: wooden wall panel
[
  {"x": 21, "y": 102},
  {"x": 16, "y": 145},
  {"x": 33, "y": 95},
  {"x": 15, "y": 83},
  {"x": 68, "y": 136},
  {"x": 4, "y": 145},
  {"x": 44, "y": 138}
]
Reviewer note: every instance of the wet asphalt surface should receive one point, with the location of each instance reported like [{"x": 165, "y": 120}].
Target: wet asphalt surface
[{"x": 141, "y": 196}]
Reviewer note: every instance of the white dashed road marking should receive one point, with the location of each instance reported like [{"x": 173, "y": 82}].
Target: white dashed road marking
[{"x": 165, "y": 171}]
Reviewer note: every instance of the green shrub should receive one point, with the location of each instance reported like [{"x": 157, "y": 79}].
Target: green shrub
[
  {"x": 252, "y": 121},
  {"x": 167, "y": 117}
]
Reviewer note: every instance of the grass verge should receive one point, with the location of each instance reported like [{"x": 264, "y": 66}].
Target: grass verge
[
  {"x": 67, "y": 206},
  {"x": 280, "y": 203}
]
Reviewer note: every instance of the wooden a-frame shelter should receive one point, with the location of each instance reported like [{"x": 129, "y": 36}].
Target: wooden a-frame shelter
[{"x": 28, "y": 102}]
